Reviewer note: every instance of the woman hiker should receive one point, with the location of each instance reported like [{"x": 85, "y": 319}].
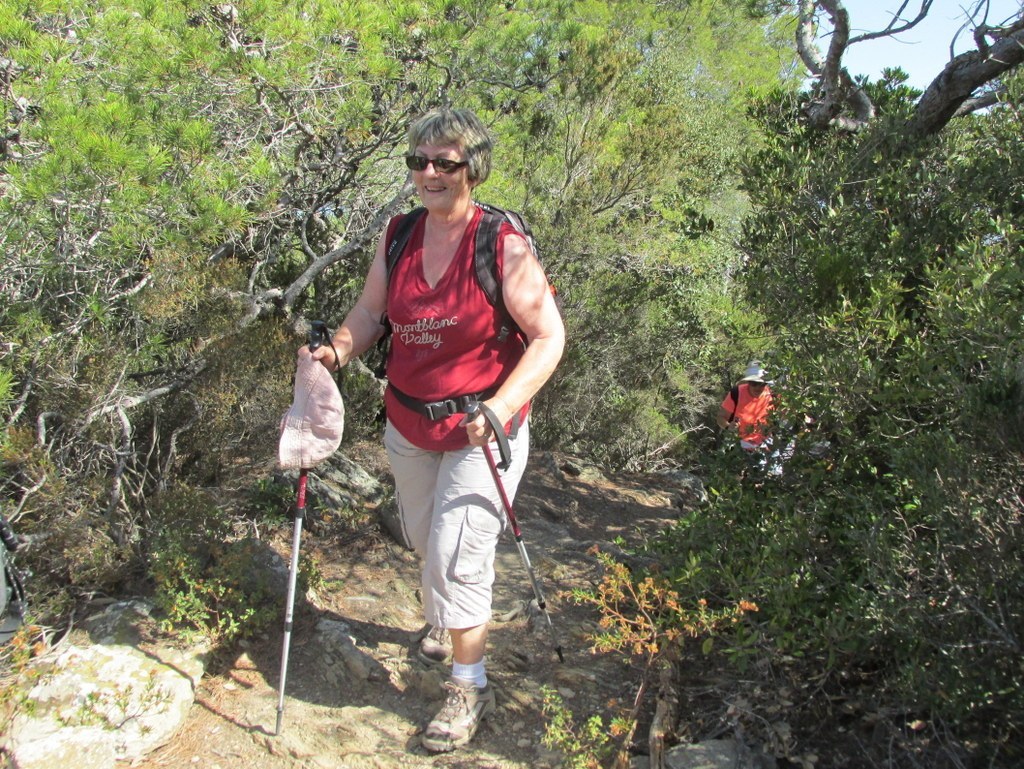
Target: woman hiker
[{"x": 447, "y": 347}]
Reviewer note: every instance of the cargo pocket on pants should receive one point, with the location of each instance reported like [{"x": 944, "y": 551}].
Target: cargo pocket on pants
[{"x": 474, "y": 560}]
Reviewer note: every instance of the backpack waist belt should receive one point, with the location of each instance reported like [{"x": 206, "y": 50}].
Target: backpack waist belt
[
  {"x": 464, "y": 404},
  {"x": 437, "y": 410}
]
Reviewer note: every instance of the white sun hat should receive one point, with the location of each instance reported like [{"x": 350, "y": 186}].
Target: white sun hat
[
  {"x": 754, "y": 373},
  {"x": 311, "y": 429}
]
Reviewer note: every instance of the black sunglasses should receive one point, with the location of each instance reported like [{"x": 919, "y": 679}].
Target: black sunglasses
[{"x": 441, "y": 165}]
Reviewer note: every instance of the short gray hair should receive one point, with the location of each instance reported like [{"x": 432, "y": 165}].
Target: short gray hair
[{"x": 460, "y": 127}]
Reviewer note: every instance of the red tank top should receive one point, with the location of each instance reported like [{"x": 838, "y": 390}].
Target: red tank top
[{"x": 445, "y": 339}]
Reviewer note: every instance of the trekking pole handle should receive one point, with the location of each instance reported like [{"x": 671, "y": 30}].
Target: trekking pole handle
[
  {"x": 504, "y": 450},
  {"x": 7, "y": 535},
  {"x": 318, "y": 335}
]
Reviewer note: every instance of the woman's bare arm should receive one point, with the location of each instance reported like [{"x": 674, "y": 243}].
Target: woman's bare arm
[{"x": 530, "y": 303}]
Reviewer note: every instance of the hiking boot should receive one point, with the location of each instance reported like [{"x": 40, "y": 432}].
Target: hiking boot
[
  {"x": 464, "y": 708},
  {"x": 435, "y": 646}
]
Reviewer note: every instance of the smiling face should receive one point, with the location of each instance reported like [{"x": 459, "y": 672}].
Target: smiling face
[{"x": 442, "y": 192}]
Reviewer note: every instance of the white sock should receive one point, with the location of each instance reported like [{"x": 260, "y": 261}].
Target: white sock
[{"x": 474, "y": 674}]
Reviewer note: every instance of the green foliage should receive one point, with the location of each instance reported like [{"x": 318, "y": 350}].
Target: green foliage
[
  {"x": 6, "y": 398},
  {"x": 310, "y": 576},
  {"x": 629, "y": 155},
  {"x": 205, "y": 583},
  {"x": 269, "y": 500},
  {"x": 172, "y": 172},
  {"x": 585, "y": 746},
  {"x": 113, "y": 708},
  {"x": 892, "y": 273},
  {"x": 241, "y": 399}
]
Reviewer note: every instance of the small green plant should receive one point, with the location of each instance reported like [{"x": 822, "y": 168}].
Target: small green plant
[
  {"x": 205, "y": 582},
  {"x": 586, "y": 745},
  {"x": 311, "y": 576},
  {"x": 113, "y": 709},
  {"x": 271, "y": 499}
]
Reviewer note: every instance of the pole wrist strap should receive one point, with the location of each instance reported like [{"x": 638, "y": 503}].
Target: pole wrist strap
[{"x": 504, "y": 450}]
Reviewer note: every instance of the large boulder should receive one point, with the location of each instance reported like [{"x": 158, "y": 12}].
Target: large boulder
[
  {"x": 689, "y": 489},
  {"x": 93, "y": 704},
  {"x": 337, "y": 482}
]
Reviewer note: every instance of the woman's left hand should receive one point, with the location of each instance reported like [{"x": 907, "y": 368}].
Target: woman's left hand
[{"x": 478, "y": 429}]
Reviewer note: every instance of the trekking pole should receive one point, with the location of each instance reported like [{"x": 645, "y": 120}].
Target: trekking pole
[
  {"x": 317, "y": 336},
  {"x": 12, "y": 592},
  {"x": 300, "y": 507},
  {"x": 511, "y": 515}
]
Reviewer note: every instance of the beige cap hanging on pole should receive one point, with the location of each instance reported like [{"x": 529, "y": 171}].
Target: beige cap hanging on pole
[{"x": 311, "y": 430}]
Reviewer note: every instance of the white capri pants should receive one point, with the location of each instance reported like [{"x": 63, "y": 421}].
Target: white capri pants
[{"x": 451, "y": 514}]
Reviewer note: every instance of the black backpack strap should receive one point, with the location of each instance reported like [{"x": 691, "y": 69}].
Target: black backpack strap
[
  {"x": 735, "y": 393},
  {"x": 394, "y": 247},
  {"x": 485, "y": 257},
  {"x": 400, "y": 238},
  {"x": 515, "y": 219}
]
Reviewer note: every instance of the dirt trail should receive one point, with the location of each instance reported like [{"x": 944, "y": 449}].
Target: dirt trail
[{"x": 363, "y": 704}]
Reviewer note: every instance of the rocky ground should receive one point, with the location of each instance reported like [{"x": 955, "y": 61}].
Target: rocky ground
[{"x": 356, "y": 695}]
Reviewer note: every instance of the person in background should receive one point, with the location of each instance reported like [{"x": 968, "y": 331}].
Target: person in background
[
  {"x": 446, "y": 356},
  {"x": 747, "y": 407}
]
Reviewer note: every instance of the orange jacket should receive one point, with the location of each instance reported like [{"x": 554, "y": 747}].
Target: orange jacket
[{"x": 751, "y": 413}]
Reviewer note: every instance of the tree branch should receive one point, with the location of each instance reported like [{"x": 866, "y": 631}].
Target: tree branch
[
  {"x": 258, "y": 305},
  {"x": 840, "y": 103},
  {"x": 124, "y": 454},
  {"x": 359, "y": 241},
  {"x": 891, "y": 29},
  {"x": 838, "y": 91},
  {"x": 964, "y": 75},
  {"x": 984, "y": 101},
  {"x": 127, "y": 402}
]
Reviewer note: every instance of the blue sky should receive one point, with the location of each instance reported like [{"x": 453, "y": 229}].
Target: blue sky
[{"x": 924, "y": 50}]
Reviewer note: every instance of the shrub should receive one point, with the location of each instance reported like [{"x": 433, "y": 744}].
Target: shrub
[{"x": 205, "y": 582}]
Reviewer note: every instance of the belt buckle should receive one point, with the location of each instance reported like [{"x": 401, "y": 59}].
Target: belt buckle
[{"x": 441, "y": 409}]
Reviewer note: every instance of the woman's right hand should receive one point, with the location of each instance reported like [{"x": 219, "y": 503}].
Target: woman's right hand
[{"x": 325, "y": 353}]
